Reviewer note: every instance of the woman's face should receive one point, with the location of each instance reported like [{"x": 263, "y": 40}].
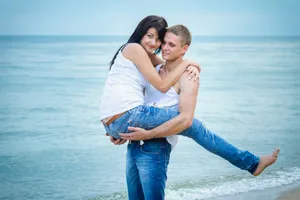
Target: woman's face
[{"x": 150, "y": 40}]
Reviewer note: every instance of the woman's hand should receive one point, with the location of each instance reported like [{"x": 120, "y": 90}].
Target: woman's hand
[
  {"x": 193, "y": 72},
  {"x": 192, "y": 63}
]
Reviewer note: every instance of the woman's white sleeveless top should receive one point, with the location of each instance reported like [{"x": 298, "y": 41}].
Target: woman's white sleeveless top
[{"x": 123, "y": 89}]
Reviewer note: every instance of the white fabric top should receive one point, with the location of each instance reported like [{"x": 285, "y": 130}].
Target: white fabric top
[
  {"x": 154, "y": 97},
  {"x": 123, "y": 88}
]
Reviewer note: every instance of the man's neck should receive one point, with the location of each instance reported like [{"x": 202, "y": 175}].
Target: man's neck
[{"x": 172, "y": 64}]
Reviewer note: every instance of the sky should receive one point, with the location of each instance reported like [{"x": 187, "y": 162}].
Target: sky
[{"x": 120, "y": 17}]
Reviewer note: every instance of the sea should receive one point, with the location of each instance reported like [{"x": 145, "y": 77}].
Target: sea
[{"x": 53, "y": 146}]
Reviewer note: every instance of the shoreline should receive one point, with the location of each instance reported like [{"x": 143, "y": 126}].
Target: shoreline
[
  {"x": 288, "y": 192},
  {"x": 293, "y": 194}
]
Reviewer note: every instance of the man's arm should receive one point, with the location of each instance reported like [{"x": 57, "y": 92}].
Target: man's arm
[{"x": 187, "y": 103}]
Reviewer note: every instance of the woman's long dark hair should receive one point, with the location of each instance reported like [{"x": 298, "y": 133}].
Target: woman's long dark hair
[{"x": 151, "y": 21}]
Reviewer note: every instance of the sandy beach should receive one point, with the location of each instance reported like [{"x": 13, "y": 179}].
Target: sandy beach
[{"x": 293, "y": 194}]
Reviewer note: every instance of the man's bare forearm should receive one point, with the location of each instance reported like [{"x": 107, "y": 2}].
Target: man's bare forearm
[{"x": 171, "y": 127}]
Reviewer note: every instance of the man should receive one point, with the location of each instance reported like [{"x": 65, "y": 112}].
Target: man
[
  {"x": 147, "y": 162},
  {"x": 176, "y": 43}
]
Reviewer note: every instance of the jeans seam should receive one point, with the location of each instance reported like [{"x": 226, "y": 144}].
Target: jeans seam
[{"x": 157, "y": 167}]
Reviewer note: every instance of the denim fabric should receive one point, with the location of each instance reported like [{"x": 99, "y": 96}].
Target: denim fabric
[
  {"x": 146, "y": 170},
  {"x": 217, "y": 145},
  {"x": 149, "y": 117},
  {"x": 146, "y": 117}
]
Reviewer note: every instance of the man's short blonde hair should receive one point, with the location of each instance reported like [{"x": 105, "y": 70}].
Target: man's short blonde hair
[{"x": 183, "y": 32}]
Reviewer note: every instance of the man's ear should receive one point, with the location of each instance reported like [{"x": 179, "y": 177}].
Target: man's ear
[{"x": 185, "y": 48}]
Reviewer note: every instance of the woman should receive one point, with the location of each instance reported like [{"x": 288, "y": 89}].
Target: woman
[{"x": 132, "y": 69}]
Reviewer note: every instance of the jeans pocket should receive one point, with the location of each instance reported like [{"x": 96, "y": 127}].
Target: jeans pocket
[
  {"x": 151, "y": 148},
  {"x": 134, "y": 123}
]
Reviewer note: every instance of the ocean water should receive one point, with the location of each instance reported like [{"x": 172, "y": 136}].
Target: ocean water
[{"x": 52, "y": 144}]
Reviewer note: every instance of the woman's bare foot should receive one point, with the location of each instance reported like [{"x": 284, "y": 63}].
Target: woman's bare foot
[{"x": 266, "y": 161}]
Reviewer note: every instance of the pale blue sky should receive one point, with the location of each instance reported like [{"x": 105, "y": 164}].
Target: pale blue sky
[{"x": 120, "y": 17}]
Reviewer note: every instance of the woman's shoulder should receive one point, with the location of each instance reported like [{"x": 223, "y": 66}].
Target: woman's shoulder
[{"x": 133, "y": 49}]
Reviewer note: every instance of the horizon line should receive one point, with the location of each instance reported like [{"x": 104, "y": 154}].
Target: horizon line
[{"x": 112, "y": 35}]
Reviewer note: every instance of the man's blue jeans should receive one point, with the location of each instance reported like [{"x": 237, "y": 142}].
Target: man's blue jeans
[
  {"x": 150, "y": 117},
  {"x": 146, "y": 169}
]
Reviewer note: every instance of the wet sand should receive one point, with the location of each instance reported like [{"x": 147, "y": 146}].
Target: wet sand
[{"x": 293, "y": 194}]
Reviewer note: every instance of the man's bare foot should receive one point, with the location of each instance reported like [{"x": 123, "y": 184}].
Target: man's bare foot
[{"x": 266, "y": 161}]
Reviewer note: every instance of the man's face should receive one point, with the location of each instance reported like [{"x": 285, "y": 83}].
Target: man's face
[{"x": 172, "y": 48}]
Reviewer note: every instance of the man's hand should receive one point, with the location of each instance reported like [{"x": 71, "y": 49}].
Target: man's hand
[
  {"x": 136, "y": 134},
  {"x": 116, "y": 141}
]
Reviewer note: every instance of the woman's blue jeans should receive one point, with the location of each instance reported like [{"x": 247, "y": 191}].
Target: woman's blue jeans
[{"x": 149, "y": 117}]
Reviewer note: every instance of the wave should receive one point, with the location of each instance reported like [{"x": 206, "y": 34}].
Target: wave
[
  {"x": 234, "y": 186},
  {"x": 223, "y": 186}
]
